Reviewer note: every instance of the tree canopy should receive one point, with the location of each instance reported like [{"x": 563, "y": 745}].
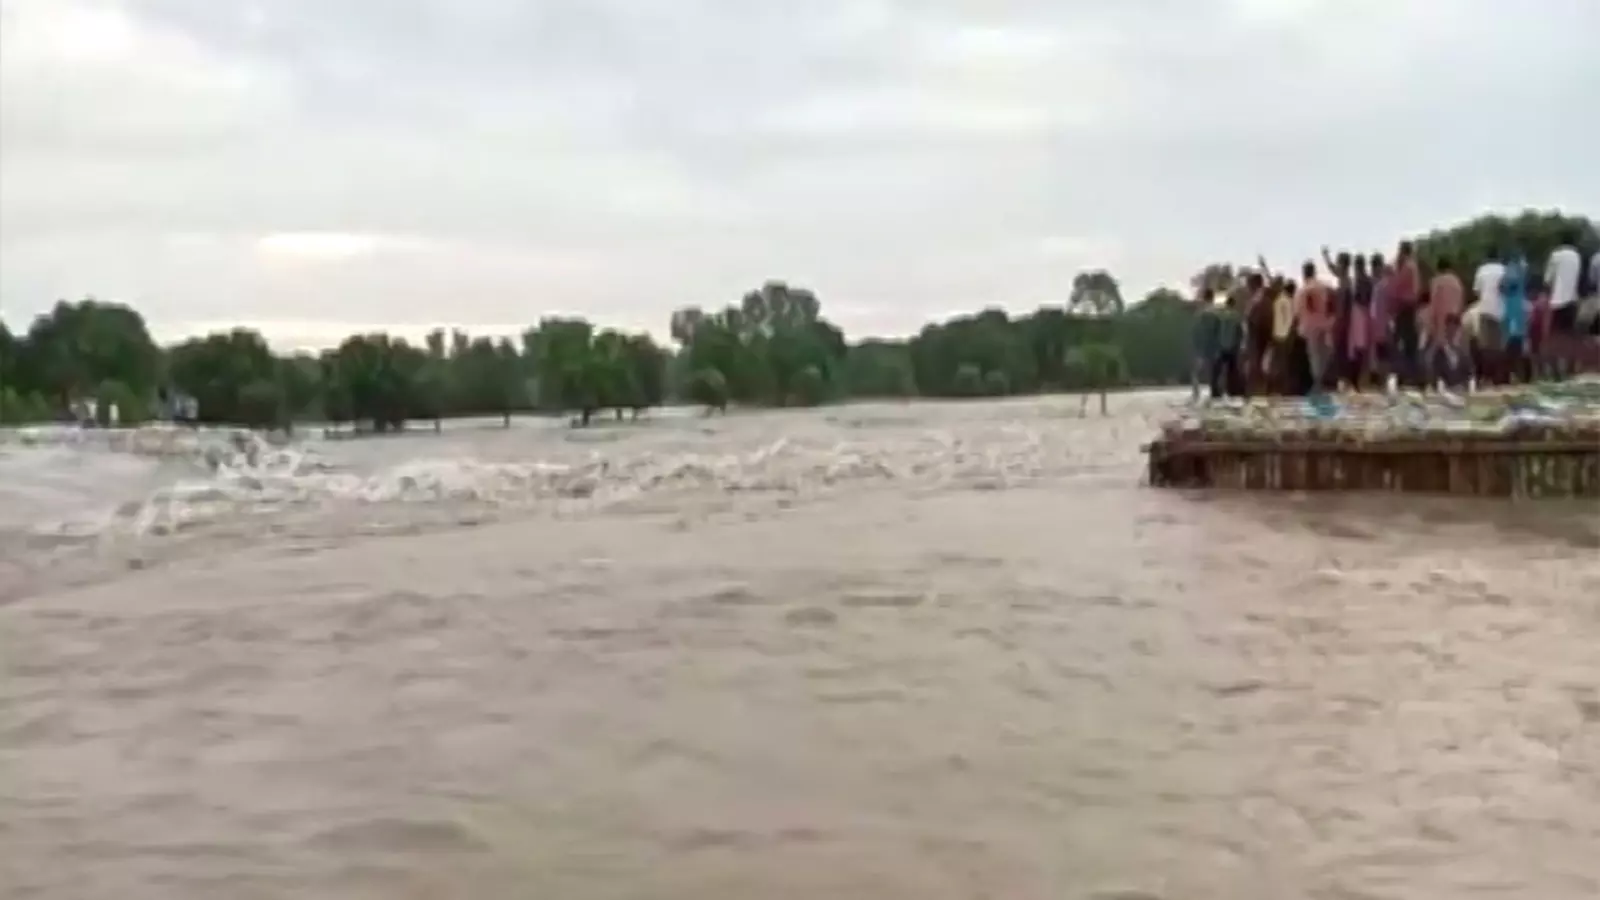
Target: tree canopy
[{"x": 774, "y": 347}]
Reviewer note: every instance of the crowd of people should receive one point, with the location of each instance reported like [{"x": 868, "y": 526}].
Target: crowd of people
[{"x": 1363, "y": 322}]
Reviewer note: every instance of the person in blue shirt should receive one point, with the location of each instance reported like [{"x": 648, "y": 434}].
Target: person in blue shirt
[{"x": 1515, "y": 316}]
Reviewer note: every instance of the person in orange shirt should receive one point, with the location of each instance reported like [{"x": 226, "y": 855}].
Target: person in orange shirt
[
  {"x": 1314, "y": 320},
  {"x": 1446, "y": 295},
  {"x": 1405, "y": 295},
  {"x": 1446, "y": 299}
]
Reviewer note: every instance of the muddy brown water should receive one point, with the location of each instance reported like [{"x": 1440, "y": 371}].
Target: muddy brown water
[{"x": 897, "y": 651}]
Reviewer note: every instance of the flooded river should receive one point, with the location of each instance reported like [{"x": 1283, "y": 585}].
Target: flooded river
[{"x": 916, "y": 651}]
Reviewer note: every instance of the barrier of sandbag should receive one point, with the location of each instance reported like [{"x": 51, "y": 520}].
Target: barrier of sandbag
[{"x": 1533, "y": 442}]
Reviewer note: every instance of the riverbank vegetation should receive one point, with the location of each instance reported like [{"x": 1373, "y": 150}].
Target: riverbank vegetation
[{"x": 774, "y": 347}]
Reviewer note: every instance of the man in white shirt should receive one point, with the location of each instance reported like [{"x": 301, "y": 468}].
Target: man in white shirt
[
  {"x": 1561, "y": 274},
  {"x": 1486, "y": 289},
  {"x": 1481, "y": 320}
]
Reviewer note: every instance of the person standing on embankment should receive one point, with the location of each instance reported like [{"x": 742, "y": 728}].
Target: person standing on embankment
[
  {"x": 1314, "y": 322},
  {"x": 1226, "y": 366},
  {"x": 1405, "y": 295},
  {"x": 1446, "y": 295},
  {"x": 1283, "y": 362},
  {"x": 1485, "y": 317},
  {"x": 1358, "y": 337},
  {"x": 1203, "y": 343},
  {"x": 1516, "y": 316},
  {"x": 1341, "y": 301},
  {"x": 1258, "y": 334}
]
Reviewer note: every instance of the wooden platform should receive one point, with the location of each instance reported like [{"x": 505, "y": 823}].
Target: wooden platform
[{"x": 1530, "y": 464}]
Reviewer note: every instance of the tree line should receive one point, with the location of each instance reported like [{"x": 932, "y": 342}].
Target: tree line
[{"x": 773, "y": 348}]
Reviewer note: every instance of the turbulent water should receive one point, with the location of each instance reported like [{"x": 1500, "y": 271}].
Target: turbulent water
[{"x": 900, "y": 651}]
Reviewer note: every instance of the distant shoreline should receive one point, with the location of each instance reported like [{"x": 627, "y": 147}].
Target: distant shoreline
[{"x": 492, "y": 422}]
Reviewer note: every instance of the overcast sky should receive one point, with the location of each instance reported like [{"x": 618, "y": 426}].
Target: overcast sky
[{"x": 311, "y": 167}]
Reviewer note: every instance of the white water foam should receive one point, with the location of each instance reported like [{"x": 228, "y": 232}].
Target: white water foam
[
  {"x": 193, "y": 477},
  {"x": 68, "y": 482}
]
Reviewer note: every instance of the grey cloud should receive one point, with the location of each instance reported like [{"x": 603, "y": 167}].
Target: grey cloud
[{"x": 621, "y": 157}]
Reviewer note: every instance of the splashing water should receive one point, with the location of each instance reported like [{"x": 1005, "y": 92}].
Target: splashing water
[{"x": 197, "y": 477}]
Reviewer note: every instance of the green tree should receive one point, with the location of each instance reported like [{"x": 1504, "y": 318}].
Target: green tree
[
  {"x": 879, "y": 368},
  {"x": 117, "y": 404},
  {"x": 1215, "y": 277},
  {"x": 18, "y": 404},
  {"x": 1096, "y": 293},
  {"x": 609, "y": 377},
  {"x": 647, "y": 373},
  {"x": 233, "y": 376},
  {"x": 565, "y": 380},
  {"x": 76, "y": 347},
  {"x": 968, "y": 381},
  {"x": 1535, "y": 233},
  {"x": 487, "y": 376},
  {"x": 22, "y": 409},
  {"x": 372, "y": 380},
  {"x": 773, "y": 349},
  {"x": 987, "y": 342},
  {"x": 709, "y": 388},
  {"x": 1153, "y": 338},
  {"x": 300, "y": 380}
]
